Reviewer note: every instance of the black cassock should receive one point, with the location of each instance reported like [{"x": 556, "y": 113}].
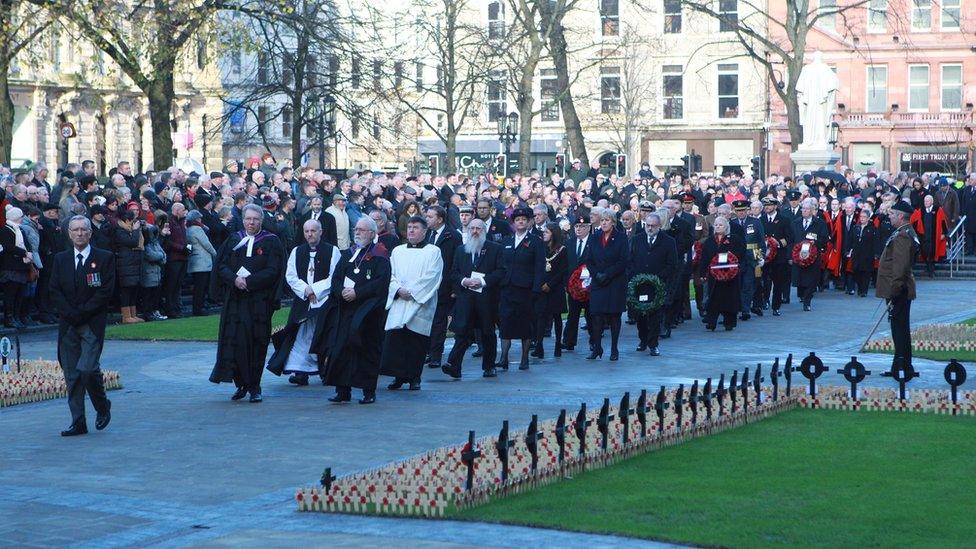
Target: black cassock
[
  {"x": 349, "y": 337},
  {"x": 245, "y": 322}
]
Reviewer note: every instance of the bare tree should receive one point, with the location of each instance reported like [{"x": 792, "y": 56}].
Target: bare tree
[{"x": 20, "y": 25}]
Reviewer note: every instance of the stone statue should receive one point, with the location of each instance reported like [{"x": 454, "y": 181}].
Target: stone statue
[{"x": 816, "y": 91}]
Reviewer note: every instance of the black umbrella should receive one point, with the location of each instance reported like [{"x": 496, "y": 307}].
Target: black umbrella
[{"x": 831, "y": 175}]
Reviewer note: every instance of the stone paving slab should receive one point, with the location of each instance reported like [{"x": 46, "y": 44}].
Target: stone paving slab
[{"x": 186, "y": 466}]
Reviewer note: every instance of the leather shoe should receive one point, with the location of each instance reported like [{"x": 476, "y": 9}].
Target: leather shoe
[
  {"x": 614, "y": 355},
  {"x": 256, "y": 396},
  {"x": 452, "y": 371},
  {"x": 102, "y": 420},
  {"x": 757, "y": 311},
  {"x": 75, "y": 430},
  {"x": 434, "y": 365},
  {"x": 478, "y": 353},
  {"x": 501, "y": 366},
  {"x": 415, "y": 385},
  {"x": 776, "y": 312},
  {"x": 368, "y": 399},
  {"x": 745, "y": 316},
  {"x": 666, "y": 334},
  {"x": 490, "y": 372},
  {"x": 398, "y": 384},
  {"x": 239, "y": 393},
  {"x": 338, "y": 397},
  {"x": 568, "y": 347},
  {"x": 595, "y": 354},
  {"x": 806, "y": 308},
  {"x": 298, "y": 379},
  {"x": 523, "y": 366},
  {"x": 642, "y": 347},
  {"x": 655, "y": 352}
]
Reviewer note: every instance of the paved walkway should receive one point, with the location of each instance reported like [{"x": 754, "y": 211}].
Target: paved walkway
[{"x": 182, "y": 465}]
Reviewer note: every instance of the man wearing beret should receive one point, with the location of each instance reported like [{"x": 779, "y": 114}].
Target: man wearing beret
[{"x": 896, "y": 283}]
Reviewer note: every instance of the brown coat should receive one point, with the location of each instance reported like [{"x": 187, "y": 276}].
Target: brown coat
[
  {"x": 895, "y": 267},
  {"x": 948, "y": 200}
]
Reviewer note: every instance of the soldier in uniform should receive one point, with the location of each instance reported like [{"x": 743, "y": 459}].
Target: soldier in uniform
[
  {"x": 776, "y": 274},
  {"x": 754, "y": 237},
  {"x": 813, "y": 229},
  {"x": 791, "y": 211},
  {"x": 701, "y": 229},
  {"x": 896, "y": 284}
]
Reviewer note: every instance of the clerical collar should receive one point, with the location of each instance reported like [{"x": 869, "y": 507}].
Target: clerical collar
[{"x": 417, "y": 245}]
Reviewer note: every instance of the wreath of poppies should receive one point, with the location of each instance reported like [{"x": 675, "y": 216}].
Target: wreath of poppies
[
  {"x": 696, "y": 251},
  {"x": 575, "y": 285},
  {"x": 645, "y": 285},
  {"x": 772, "y": 249},
  {"x": 811, "y": 257},
  {"x": 723, "y": 272}
]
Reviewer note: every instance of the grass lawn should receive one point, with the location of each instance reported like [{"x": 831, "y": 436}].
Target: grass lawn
[
  {"x": 803, "y": 478},
  {"x": 970, "y": 321},
  {"x": 193, "y": 328}
]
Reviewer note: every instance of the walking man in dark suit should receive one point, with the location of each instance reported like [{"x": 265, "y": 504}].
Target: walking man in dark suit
[
  {"x": 448, "y": 240},
  {"x": 577, "y": 250},
  {"x": 654, "y": 252},
  {"x": 82, "y": 283},
  {"x": 475, "y": 276}
]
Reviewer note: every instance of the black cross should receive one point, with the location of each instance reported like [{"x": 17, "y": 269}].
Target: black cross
[
  {"x": 532, "y": 436},
  {"x": 642, "y": 408},
  {"x": 623, "y": 413},
  {"x": 561, "y": 434},
  {"x": 955, "y": 375},
  {"x": 468, "y": 455},
  {"x": 326, "y": 480},
  {"x": 603, "y": 423},
  {"x": 720, "y": 395},
  {"x": 757, "y": 384},
  {"x": 17, "y": 345},
  {"x": 903, "y": 372},
  {"x": 854, "y": 373},
  {"x": 502, "y": 445},
  {"x": 706, "y": 398},
  {"x": 734, "y": 390},
  {"x": 581, "y": 424},
  {"x": 679, "y": 403},
  {"x": 774, "y": 374},
  {"x": 693, "y": 399},
  {"x": 660, "y": 405},
  {"x": 788, "y": 370},
  {"x": 812, "y": 368},
  {"x": 744, "y": 387}
]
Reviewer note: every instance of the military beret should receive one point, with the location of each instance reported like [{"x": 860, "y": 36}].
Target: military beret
[
  {"x": 903, "y": 206},
  {"x": 522, "y": 212},
  {"x": 581, "y": 219},
  {"x": 687, "y": 198}
]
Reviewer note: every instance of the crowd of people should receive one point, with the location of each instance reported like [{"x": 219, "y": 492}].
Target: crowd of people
[{"x": 380, "y": 267}]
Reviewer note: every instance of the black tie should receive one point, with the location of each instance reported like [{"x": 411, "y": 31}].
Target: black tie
[
  {"x": 579, "y": 248},
  {"x": 79, "y": 263},
  {"x": 806, "y": 224},
  {"x": 433, "y": 237}
]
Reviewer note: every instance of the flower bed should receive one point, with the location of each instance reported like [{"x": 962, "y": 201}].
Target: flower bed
[
  {"x": 428, "y": 484},
  {"x": 934, "y": 337},
  {"x": 39, "y": 380}
]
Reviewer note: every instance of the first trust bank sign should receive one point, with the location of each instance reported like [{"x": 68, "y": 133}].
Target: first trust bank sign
[{"x": 934, "y": 157}]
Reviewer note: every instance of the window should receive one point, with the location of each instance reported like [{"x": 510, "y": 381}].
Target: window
[
  {"x": 439, "y": 85},
  {"x": 672, "y": 16},
  {"x": 356, "y": 73},
  {"x": 201, "y": 52},
  {"x": 235, "y": 60},
  {"x": 951, "y": 87},
  {"x": 286, "y": 122},
  {"x": 673, "y": 81},
  {"x": 262, "y": 118},
  {"x": 922, "y": 14},
  {"x": 609, "y": 90},
  {"x": 610, "y": 17},
  {"x": 376, "y": 126},
  {"x": 398, "y": 74},
  {"x": 728, "y": 90},
  {"x": 827, "y": 13},
  {"x": 262, "y": 68},
  {"x": 549, "y": 92},
  {"x": 333, "y": 71},
  {"x": 419, "y": 80},
  {"x": 728, "y": 11},
  {"x": 950, "y": 14},
  {"x": 877, "y": 88},
  {"x": 496, "y": 20},
  {"x": 54, "y": 55},
  {"x": 497, "y": 106},
  {"x": 918, "y": 87},
  {"x": 877, "y": 15},
  {"x": 357, "y": 120},
  {"x": 377, "y": 74}
]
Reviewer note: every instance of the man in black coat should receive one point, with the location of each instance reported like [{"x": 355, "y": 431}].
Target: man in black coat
[
  {"x": 497, "y": 229},
  {"x": 653, "y": 253},
  {"x": 866, "y": 248},
  {"x": 475, "y": 275},
  {"x": 576, "y": 248},
  {"x": 811, "y": 229},
  {"x": 82, "y": 284},
  {"x": 684, "y": 238},
  {"x": 776, "y": 274},
  {"x": 448, "y": 240}
]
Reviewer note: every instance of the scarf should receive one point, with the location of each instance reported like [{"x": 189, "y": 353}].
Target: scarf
[{"x": 18, "y": 235}]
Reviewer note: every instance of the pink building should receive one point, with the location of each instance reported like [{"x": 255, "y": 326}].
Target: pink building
[{"x": 907, "y": 71}]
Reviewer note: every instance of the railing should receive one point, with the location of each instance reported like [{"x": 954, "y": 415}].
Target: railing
[{"x": 956, "y": 252}]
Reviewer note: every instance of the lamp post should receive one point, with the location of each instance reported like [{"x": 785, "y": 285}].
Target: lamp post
[
  {"x": 316, "y": 113},
  {"x": 834, "y": 134},
  {"x": 329, "y": 114},
  {"x": 508, "y": 130}
]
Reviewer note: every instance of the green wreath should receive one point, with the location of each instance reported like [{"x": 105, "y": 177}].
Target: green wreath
[{"x": 654, "y": 302}]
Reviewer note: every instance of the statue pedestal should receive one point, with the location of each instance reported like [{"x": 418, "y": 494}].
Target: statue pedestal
[{"x": 813, "y": 160}]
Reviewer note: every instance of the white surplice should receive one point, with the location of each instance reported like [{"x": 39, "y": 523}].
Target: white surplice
[
  {"x": 299, "y": 359},
  {"x": 419, "y": 270}
]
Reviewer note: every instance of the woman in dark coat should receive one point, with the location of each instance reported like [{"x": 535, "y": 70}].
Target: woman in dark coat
[
  {"x": 608, "y": 288},
  {"x": 128, "y": 240},
  {"x": 551, "y": 303},
  {"x": 865, "y": 250},
  {"x": 15, "y": 261},
  {"x": 721, "y": 297}
]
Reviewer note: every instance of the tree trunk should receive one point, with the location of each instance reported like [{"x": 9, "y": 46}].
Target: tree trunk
[
  {"x": 574, "y": 128},
  {"x": 6, "y": 116},
  {"x": 297, "y": 115},
  {"x": 161, "y": 95},
  {"x": 525, "y": 130},
  {"x": 450, "y": 146}
]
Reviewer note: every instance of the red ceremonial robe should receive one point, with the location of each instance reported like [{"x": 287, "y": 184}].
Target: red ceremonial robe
[{"x": 940, "y": 226}]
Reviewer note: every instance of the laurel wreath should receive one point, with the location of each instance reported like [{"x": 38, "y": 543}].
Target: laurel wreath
[{"x": 644, "y": 307}]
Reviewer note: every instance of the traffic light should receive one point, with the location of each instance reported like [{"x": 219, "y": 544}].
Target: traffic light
[
  {"x": 756, "y": 167},
  {"x": 696, "y": 163},
  {"x": 686, "y": 164},
  {"x": 621, "y": 165},
  {"x": 501, "y": 165},
  {"x": 561, "y": 165},
  {"x": 434, "y": 165}
]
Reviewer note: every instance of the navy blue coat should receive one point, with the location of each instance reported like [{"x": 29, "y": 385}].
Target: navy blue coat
[
  {"x": 608, "y": 269},
  {"x": 660, "y": 260},
  {"x": 525, "y": 267}
]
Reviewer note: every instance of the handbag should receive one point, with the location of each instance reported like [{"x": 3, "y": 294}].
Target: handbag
[{"x": 32, "y": 273}]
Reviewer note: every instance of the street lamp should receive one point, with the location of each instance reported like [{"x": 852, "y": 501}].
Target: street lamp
[
  {"x": 329, "y": 114},
  {"x": 316, "y": 112},
  {"x": 508, "y": 130},
  {"x": 834, "y": 134}
]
